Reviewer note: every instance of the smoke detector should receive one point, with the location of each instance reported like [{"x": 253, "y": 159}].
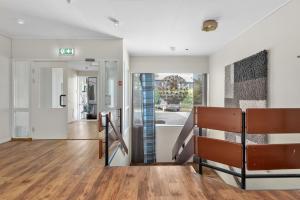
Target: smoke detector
[
  {"x": 209, "y": 25},
  {"x": 114, "y": 21}
]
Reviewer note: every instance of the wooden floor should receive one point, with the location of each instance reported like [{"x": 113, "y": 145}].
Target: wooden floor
[
  {"x": 83, "y": 130},
  {"x": 69, "y": 169}
]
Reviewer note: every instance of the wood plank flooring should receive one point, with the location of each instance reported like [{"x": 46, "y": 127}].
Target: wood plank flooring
[
  {"x": 83, "y": 130},
  {"x": 70, "y": 169}
]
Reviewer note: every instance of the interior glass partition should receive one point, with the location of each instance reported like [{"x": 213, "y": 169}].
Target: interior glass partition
[
  {"x": 175, "y": 96},
  {"x": 21, "y": 99}
]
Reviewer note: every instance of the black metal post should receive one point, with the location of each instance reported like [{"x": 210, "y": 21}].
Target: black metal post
[
  {"x": 200, "y": 159},
  {"x": 221, "y": 169},
  {"x": 106, "y": 138},
  {"x": 243, "y": 142},
  {"x": 121, "y": 118}
]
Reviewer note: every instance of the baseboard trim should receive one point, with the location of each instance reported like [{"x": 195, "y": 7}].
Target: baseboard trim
[
  {"x": 4, "y": 140},
  {"x": 21, "y": 139}
]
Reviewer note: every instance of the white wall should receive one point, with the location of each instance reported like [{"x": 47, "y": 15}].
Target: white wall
[
  {"x": 5, "y": 68},
  {"x": 165, "y": 139},
  {"x": 279, "y": 34},
  {"x": 72, "y": 95},
  {"x": 29, "y": 49},
  {"x": 168, "y": 64}
]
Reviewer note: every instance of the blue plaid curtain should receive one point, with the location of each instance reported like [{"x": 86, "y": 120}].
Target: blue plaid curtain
[{"x": 148, "y": 115}]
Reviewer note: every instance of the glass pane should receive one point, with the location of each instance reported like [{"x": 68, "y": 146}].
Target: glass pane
[
  {"x": 21, "y": 124},
  {"x": 21, "y": 85},
  {"x": 111, "y": 83},
  {"x": 198, "y": 86},
  {"x": 51, "y": 87},
  {"x": 136, "y": 100},
  {"x": 173, "y": 98},
  {"x": 200, "y": 89}
]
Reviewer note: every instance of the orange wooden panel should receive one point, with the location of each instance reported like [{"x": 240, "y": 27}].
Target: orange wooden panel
[
  {"x": 219, "y": 151},
  {"x": 273, "y": 120},
  {"x": 273, "y": 156},
  {"x": 224, "y": 119}
]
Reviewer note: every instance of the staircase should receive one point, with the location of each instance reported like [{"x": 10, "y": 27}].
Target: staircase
[{"x": 183, "y": 149}]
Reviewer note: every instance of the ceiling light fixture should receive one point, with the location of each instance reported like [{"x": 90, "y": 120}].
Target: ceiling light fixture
[
  {"x": 20, "y": 21},
  {"x": 114, "y": 20},
  {"x": 186, "y": 49},
  {"x": 69, "y": 1},
  {"x": 209, "y": 25},
  {"x": 173, "y": 48}
]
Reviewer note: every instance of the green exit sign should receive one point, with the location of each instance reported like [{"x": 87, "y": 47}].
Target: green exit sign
[{"x": 67, "y": 51}]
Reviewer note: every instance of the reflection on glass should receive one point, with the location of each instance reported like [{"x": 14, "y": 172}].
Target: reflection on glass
[
  {"x": 111, "y": 80},
  {"x": 51, "y": 87}
]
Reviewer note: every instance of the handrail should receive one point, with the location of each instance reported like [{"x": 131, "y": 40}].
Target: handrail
[
  {"x": 253, "y": 157},
  {"x": 186, "y": 154},
  {"x": 119, "y": 136},
  {"x": 119, "y": 139},
  {"x": 100, "y": 120}
]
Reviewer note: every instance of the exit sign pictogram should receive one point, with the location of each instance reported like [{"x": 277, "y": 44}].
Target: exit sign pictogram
[{"x": 67, "y": 51}]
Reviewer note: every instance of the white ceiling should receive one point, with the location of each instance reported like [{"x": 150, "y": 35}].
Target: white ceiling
[{"x": 150, "y": 27}]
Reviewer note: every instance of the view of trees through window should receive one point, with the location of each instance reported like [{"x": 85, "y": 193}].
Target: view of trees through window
[{"x": 175, "y": 96}]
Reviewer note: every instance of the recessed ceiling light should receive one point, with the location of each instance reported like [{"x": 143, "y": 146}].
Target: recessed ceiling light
[
  {"x": 114, "y": 20},
  {"x": 68, "y": 1},
  {"x": 172, "y": 48},
  {"x": 186, "y": 49},
  {"x": 20, "y": 21}
]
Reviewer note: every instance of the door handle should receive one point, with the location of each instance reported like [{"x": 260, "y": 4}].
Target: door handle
[{"x": 61, "y": 100}]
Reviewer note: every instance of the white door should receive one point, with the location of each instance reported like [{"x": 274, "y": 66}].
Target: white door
[{"x": 48, "y": 100}]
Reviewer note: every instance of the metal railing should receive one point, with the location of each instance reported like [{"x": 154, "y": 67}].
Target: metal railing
[
  {"x": 243, "y": 156},
  {"x": 113, "y": 137}
]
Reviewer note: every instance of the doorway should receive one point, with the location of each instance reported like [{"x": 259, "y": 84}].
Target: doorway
[
  {"x": 83, "y": 99},
  {"x": 61, "y": 99}
]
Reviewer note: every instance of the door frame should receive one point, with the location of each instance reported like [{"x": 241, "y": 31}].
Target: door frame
[{"x": 100, "y": 83}]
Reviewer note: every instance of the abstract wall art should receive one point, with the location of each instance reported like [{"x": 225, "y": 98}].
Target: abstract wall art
[{"x": 246, "y": 87}]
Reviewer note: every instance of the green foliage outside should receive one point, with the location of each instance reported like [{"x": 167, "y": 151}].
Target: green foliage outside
[
  {"x": 187, "y": 103},
  {"x": 197, "y": 91},
  {"x": 156, "y": 97}
]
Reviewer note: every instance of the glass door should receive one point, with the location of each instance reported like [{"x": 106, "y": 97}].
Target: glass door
[
  {"x": 48, "y": 100},
  {"x": 21, "y": 99}
]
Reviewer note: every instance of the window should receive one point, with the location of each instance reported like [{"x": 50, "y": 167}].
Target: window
[{"x": 175, "y": 96}]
